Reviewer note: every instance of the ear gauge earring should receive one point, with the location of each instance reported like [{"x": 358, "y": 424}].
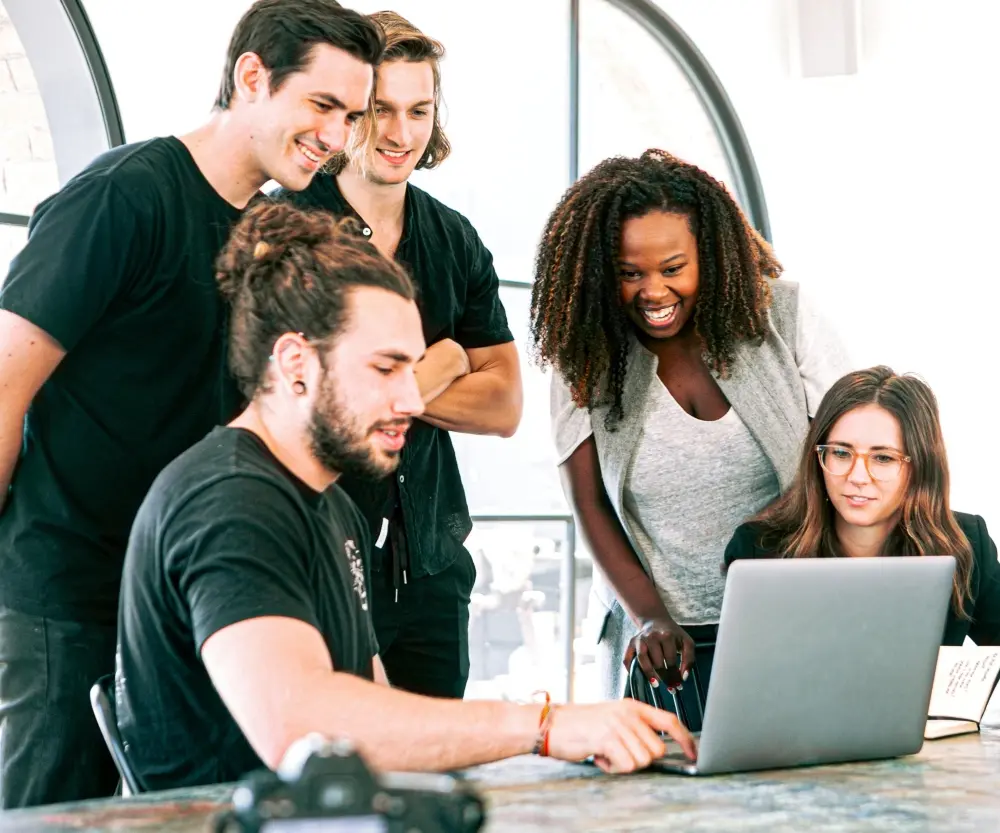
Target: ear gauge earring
[{"x": 299, "y": 387}]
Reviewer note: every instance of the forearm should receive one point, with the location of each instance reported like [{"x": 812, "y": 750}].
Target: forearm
[
  {"x": 396, "y": 730},
  {"x": 612, "y": 552},
  {"x": 483, "y": 402},
  {"x": 11, "y": 437},
  {"x": 435, "y": 372}
]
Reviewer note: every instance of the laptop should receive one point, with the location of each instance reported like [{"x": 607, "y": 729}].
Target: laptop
[{"x": 821, "y": 660}]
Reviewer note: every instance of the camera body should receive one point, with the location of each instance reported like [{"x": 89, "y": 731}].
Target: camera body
[{"x": 325, "y": 786}]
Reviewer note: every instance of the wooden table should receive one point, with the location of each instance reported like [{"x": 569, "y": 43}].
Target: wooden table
[{"x": 951, "y": 786}]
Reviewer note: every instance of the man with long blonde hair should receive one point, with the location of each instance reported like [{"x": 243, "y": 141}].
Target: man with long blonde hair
[{"x": 469, "y": 378}]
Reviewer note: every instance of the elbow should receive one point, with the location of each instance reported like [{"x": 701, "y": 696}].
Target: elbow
[
  {"x": 273, "y": 743},
  {"x": 511, "y": 416},
  {"x": 508, "y": 429},
  {"x": 272, "y": 750}
]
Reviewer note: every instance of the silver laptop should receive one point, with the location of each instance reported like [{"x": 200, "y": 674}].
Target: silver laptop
[{"x": 821, "y": 660}]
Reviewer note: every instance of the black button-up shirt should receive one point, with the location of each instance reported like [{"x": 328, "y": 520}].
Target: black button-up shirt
[{"x": 458, "y": 297}]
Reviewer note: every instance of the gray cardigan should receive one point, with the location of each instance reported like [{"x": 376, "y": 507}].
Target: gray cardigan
[{"x": 774, "y": 387}]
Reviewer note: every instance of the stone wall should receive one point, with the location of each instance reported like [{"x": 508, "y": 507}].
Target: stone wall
[{"x": 27, "y": 163}]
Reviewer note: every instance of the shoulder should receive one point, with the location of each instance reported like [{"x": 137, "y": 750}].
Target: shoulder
[
  {"x": 748, "y": 542},
  {"x": 321, "y": 193},
  {"x": 143, "y": 167},
  {"x": 784, "y": 308},
  {"x": 345, "y": 510},
  {"x": 784, "y": 293},
  {"x": 571, "y": 424},
  {"x": 453, "y": 224},
  {"x": 974, "y": 527},
  {"x": 140, "y": 177},
  {"x": 223, "y": 477}
]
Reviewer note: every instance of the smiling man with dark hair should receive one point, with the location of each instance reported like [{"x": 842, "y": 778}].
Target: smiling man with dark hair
[{"x": 112, "y": 361}]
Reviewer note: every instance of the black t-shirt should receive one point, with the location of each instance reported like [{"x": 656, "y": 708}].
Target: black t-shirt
[
  {"x": 458, "y": 297},
  {"x": 982, "y": 624},
  {"x": 227, "y": 534},
  {"x": 118, "y": 269}
]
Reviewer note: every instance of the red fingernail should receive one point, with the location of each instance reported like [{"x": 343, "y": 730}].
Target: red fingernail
[{"x": 655, "y": 683}]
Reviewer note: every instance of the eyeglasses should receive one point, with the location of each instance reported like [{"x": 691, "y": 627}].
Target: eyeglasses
[{"x": 881, "y": 464}]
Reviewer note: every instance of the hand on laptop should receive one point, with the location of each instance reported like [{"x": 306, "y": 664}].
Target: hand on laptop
[
  {"x": 622, "y": 736},
  {"x": 657, "y": 645}
]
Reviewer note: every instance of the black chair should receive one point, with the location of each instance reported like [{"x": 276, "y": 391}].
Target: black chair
[{"x": 102, "y": 700}]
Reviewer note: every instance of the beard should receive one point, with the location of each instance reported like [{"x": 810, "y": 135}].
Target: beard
[{"x": 339, "y": 441}]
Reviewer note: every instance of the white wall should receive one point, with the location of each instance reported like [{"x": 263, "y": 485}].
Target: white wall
[{"x": 882, "y": 189}]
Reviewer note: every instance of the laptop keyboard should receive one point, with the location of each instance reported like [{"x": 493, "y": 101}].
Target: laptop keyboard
[{"x": 674, "y": 753}]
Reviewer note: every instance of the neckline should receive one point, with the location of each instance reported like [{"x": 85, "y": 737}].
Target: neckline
[{"x": 203, "y": 182}]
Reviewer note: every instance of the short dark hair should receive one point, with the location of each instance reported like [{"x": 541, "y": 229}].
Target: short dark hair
[
  {"x": 289, "y": 270},
  {"x": 282, "y": 34}
]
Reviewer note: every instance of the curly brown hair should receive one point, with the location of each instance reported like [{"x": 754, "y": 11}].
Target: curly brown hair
[
  {"x": 578, "y": 325},
  {"x": 289, "y": 270}
]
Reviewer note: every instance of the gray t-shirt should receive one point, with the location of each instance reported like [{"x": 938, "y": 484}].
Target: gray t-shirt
[{"x": 718, "y": 476}]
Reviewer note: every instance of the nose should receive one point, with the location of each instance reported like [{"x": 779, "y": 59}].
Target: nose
[
  {"x": 656, "y": 289},
  {"x": 408, "y": 401},
  {"x": 858, "y": 474},
  {"x": 334, "y": 133},
  {"x": 397, "y": 130}
]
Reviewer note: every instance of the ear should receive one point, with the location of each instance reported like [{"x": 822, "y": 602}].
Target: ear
[
  {"x": 251, "y": 78},
  {"x": 289, "y": 360}
]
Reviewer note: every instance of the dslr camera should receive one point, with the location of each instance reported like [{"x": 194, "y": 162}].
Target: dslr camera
[{"x": 325, "y": 787}]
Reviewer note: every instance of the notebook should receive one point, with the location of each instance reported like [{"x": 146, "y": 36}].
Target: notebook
[{"x": 965, "y": 696}]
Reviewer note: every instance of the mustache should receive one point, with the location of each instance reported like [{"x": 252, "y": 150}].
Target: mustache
[{"x": 393, "y": 425}]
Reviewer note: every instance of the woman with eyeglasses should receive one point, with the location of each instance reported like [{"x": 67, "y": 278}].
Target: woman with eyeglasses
[{"x": 873, "y": 481}]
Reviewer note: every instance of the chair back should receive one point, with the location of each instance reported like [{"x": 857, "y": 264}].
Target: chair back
[{"x": 102, "y": 700}]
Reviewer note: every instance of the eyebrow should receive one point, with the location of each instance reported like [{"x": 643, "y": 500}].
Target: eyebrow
[
  {"x": 395, "y": 356},
  {"x": 873, "y": 448},
  {"x": 390, "y": 104},
  {"x": 332, "y": 100},
  {"x": 337, "y": 104},
  {"x": 662, "y": 262}
]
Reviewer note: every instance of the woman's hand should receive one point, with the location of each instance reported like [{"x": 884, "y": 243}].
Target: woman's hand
[{"x": 657, "y": 645}]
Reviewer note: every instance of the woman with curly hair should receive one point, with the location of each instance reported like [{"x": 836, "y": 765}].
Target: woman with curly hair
[{"x": 685, "y": 376}]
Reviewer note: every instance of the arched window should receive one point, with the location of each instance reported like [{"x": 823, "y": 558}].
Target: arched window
[{"x": 57, "y": 109}]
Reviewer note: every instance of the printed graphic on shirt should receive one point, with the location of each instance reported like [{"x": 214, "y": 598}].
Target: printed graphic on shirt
[{"x": 357, "y": 572}]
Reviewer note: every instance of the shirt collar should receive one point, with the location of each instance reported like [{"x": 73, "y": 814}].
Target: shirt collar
[{"x": 344, "y": 208}]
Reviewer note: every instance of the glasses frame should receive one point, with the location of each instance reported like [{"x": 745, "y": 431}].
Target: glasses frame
[{"x": 864, "y": 455}]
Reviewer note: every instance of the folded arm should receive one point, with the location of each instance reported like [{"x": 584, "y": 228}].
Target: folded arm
[{"x": 481, "y": 395}]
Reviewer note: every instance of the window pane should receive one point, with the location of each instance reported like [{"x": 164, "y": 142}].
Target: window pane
[
  {"x": 27, "y": 161},
  {"x": 516, "y": 633},
  {"x": 507, "y": 118},
  {"x": 634, "y": 96},
  {"x": 516, "y": 475},
  {"x": 12, "y": 239}
]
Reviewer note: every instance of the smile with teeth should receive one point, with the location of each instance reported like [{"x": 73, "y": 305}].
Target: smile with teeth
[
  {"x": 858, "y": 500},
  {"x": 309, "y": 154},
  {"x": 394, "y": 154},
  {"x": 662, "y": 315}
]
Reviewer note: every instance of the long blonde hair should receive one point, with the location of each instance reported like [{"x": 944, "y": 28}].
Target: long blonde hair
[{"x": 403, "y": 42}]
